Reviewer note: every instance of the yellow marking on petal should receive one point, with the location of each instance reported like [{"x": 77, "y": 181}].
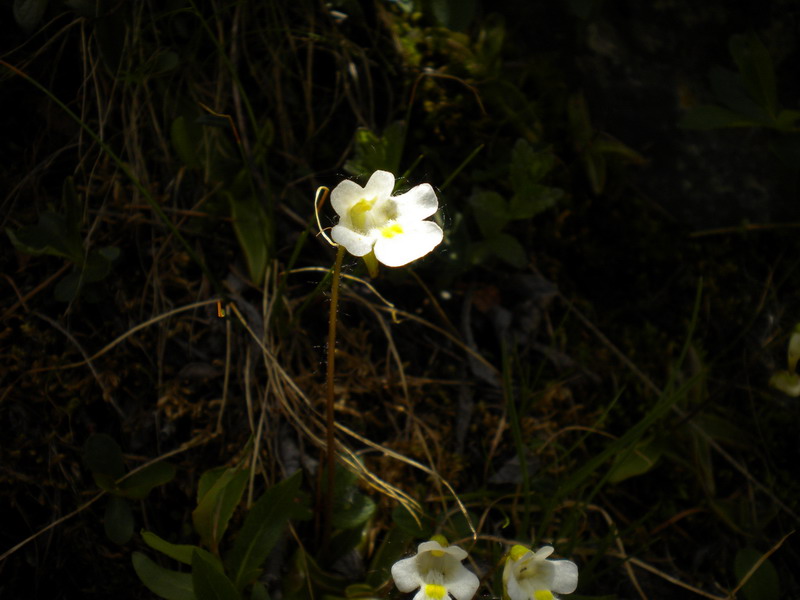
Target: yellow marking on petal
[
  {"x": 437, "y": 592},
  {"x": 518, "y": 552},
  {"x": 358, "y": 213},
  {"x": 391, "y": 230},
  {"x": 543, "y": 595},
  {"x": 440, "y": 539}
]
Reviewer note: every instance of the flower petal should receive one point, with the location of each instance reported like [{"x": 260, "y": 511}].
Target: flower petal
[
  {"x": 565, "y": 576},
  {"x": 413, "y": 241},
  {"x": 464, "y": 585},
  {"x": 380, "y": 185},
  {"x": 345, "y": 195},
  {"x": 417, "y": 203},
  {"x": 355, "y": 243},
  {"x": 406, "y": 574}
]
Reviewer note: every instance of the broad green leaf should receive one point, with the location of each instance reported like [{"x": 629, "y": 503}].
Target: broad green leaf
[
  {"x": 579, "y": 121},
  {"x": 417, "y": 528},
  {"x": 353, "y": 512},
  {"x": 263, "y": 527},
  {"x": 538, "y": 199},
  {"x": 118, "y": 520},
  {"x": 787, "y": 120},
  {"x": 529, "y": 166},
  {"x": 216, "y": 507},
  {"x": 728, "y": 88},
  {"x": 259, "y": 592},
  {"x": 608, "y": 145},
  {"x": 786, "y": 382},
  {"x": 28, "y": 13},
  {"x": 102, "y": 455},
  {"x": 253, "y": 228},
  {"x": 377, "y": 153},
  {"x": 69, "y": 287},
  {"x": 713, "y": 117},
  {"x": 209, "y": 583},
  {"x": 637, "y": 460},
  {"x": 454, "y": 14},
  {"x": 138, "y": 485},
  {"x": 164, "y": 583},
  {"x": 97, "y": 267},
  {"x": 764, "y": 583},
  {"x": 187, "y": 137},
  {"x": 491, "y": 211},
  {"x": 793, "y": 352},
  {"x": 51, "y": 235},
  {"x": 392, "y": 549},
  {"x": 595, "y": 164},
  {"x": 756, "y": 69},
  {"x": 180, "y": 552},
  {"x": 508, "y": 249}
]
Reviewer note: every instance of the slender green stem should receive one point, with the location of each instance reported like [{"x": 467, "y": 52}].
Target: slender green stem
[{"x": 330, "y": 441}]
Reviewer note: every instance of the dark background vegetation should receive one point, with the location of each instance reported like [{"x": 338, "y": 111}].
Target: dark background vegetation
[{"x": 618, "y": 252}]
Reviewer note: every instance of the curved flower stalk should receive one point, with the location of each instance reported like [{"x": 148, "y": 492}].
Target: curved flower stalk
[
  {"x": 437, "y": 571},
  {"x": 393, "y": 227},
  {"x": 530, "y": 575}
]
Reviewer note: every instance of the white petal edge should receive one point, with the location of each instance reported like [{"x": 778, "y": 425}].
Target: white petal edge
[
  {"x": 345, "y": 195},
  {"x": 380, "y": 185},
  {"x": 565, "y": 576},
  {"x": 406, "y": 574},
  {"x": 417, "y": 203},
  {"x": 464, "y": 586},
  {"x": 417, "y": 240},
  {"x": 355, "y": 243}
]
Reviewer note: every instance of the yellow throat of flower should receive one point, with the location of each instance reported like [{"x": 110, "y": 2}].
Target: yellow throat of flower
[
  {"x": 359, "y": 213},
  {"x": 543, "y": 595},
  {"x": 440, "y": 539},
  {"x": 437, "y": 592}
]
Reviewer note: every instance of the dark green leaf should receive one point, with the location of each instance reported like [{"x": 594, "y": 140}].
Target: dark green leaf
[
  {"x": 186, "y": 137},
  {"x": 728, "y": 88},
  {"x": 491, "y": 211},
  {"x": 51, "y": 235},
  {"x": 264, "y": 525},
  {"x": 537, "y": 199},
  {"x": 180, "y": 552},
  {"x": 216, "y": 507},
  {"x": 259, "y": 592},
  {"x": 392, "y": 548},
  {"x": 377, "y": 153},
  {"x": 68, "y": 288},
  {"x": 97, "y": 267},
  {"x": 454, "y": 14},
  {"x": 163, "y": 582},
  {"x": 138, "y": 485},
  {"x": 508, "y": 249},
  {"x": 209, "y": 583},
  {"x": 713, "y": 117},
  {"x": 28, "y": 13},
  {"x": 417, "y": 528},
  {"x": 636, "y": 460},
  {"x": 756, "y": 69},
  {"x": 118, "y": 520},
  {"x": 253, "y": 228},
  {"x": 354, "y": 512},
  {"x": 764, "y": 583},
  {"x": 102, "y": 455}
]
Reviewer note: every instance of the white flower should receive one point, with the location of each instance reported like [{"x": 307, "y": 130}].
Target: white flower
[
  {"x": 437, "y": 571},
  {"x": 530, "y": 576},
  {"x": 371, "y": 219}
]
